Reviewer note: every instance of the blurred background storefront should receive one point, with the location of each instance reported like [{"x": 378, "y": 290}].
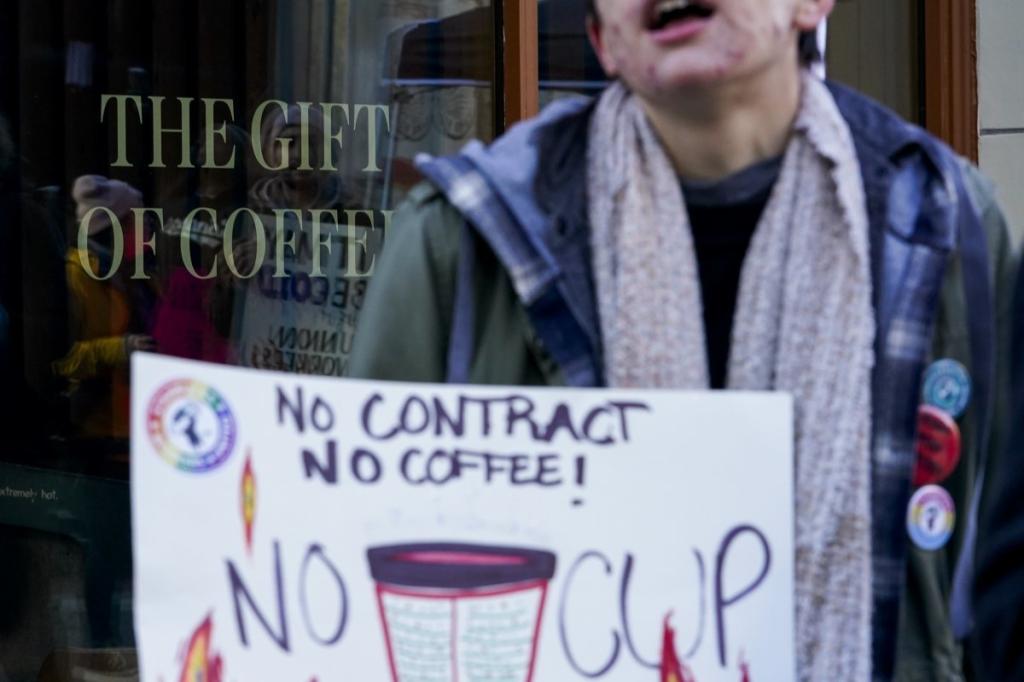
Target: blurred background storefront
[{"x": 399, "y": 78}]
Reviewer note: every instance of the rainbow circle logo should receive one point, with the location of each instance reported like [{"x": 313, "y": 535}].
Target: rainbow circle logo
[
  {"x": 191, "y": 426},
  {"x": 931, "y": 518}
]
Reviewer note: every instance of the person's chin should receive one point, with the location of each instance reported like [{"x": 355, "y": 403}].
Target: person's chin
[{"x": 683, "y": 76}]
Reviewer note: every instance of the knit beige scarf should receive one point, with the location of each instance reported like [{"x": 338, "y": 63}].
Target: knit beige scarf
[{"x": 804, "y": 325}]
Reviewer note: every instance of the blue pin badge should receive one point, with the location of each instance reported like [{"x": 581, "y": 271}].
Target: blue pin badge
[{"x": 947, "y": 386}]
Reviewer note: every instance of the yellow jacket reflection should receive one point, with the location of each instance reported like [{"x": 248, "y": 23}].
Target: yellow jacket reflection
[{"x": 96, "y": 364}]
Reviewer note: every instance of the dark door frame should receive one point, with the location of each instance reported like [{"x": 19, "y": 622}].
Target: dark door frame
[{"x": 951, "y": 73}]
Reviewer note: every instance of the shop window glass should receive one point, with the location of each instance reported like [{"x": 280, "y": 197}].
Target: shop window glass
[
  {"x": 207, "y": 179},
  {"x": 567, "y": 64},
  {"x": 874, "y": 46}
]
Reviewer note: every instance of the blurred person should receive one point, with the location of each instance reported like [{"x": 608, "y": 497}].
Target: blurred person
[
  {"x": 110, "y": 318},
  {"x": 295, "y": 187},
  {"x": 194, "y": 316},
  {"x": 721, "y": 218},
  {"x": 291, "y": 187},
  {"x": 33, "y": 293},
  {"x": 32, "y": 289},
  {"x": 298, "y": 287}
]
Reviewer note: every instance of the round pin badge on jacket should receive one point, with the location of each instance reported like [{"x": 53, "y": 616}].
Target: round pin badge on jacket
[
  {"x": 947, "y": 386},
  {"x": 931, "y": 517},
  {"x": 938, "y": 446}
]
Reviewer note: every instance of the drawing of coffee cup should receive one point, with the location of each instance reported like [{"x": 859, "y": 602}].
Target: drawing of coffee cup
[{"x": 461, "y": 612}]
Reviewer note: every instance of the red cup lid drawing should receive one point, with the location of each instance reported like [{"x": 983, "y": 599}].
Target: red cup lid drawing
[{"x": 457, "y": 611}]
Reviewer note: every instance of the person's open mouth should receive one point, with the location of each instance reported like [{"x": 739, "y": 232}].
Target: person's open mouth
[{"x": 672, "y": 21}]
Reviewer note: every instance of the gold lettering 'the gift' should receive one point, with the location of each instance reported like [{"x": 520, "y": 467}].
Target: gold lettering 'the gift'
[{"x": 218, "y": 113}]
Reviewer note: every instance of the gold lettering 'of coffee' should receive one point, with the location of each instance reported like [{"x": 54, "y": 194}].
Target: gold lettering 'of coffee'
[
  {"x": 121, "y": 123},
  {"x": 353, "y": 242},
  {"x": 256, "y": 135},
  {"x": 83, "y": 243},
  {"x": 212, "y": 132},
  {"x": 184, "y": 132},
  {"x": 140, "y": 238},
  {"x": 186, "y": 241},
  {"x": 371, "y": 131},
  {"x": 331, "y": 136},
  {"x": 321, "y": 240},
  {"x": 229, "y": 242},
  {"x": 280, "y": 241}
]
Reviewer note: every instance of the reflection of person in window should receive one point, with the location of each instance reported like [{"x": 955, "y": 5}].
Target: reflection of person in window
[
  {"x": 110, "y": 318},
  {"x": 294, "y": 187},
  {"x": 291, "y": 187},
  {"x": 194, "y": 318},
  {"x": 314, "y": 303}
]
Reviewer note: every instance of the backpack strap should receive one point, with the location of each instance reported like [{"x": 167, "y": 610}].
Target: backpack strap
[
  {"x": 980, "y": 319},
  {"x": 460, "y": 341}
]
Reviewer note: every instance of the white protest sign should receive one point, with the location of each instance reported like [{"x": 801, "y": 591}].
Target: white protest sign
[{"x": 294, "y": 528}]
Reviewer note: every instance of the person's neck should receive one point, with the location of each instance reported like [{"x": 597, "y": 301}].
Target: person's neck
[{"x": 711, "y": 133}]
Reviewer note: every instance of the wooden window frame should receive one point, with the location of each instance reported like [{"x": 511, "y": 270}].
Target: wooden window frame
[
  {"x": 950, "y": 40},
  {"x": 520, "y": 61}
]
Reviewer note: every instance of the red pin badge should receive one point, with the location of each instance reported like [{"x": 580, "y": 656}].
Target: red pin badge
[{"x": 938, "y": 446}]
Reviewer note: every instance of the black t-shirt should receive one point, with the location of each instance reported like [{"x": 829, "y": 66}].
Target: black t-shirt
[{"x": 723, "y": 217}]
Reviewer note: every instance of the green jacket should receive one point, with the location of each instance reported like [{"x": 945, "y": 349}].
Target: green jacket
[{"x": 405, "y": 327}]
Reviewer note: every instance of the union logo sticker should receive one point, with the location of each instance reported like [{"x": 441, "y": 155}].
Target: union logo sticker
[{"x": 191, "y": 426}]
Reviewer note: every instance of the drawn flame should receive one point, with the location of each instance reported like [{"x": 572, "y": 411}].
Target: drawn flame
[
  {"x": 248, "y": 500},
  {"x": 201, "y": 664},
  {"x": 672, "y": 669},
  {"x": 744, "y": 668}
]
